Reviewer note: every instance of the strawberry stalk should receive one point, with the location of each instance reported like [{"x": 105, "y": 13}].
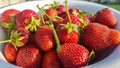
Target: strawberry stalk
[
  {"x": 67, "y": 11},
  {"x": 56, "y": 38},
  {"x": 43, "y": 12},
  {"x": 5, "y": 41}
]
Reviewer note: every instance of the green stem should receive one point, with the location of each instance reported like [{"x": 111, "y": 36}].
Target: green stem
[
  {"x": 66, "y": 5},
  {"x": 41, "y": 13},
  {"x": 56, "y": 39},
  {"x": 40, "y": 9},
  {"x": 5, "y": 41}
]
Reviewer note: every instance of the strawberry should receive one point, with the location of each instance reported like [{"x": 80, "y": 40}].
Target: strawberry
[
  {"x": 106, "y": 17},
  {"x": 44, "y": 39},
  {"x": 65, "y": 37},
  {"x": 61, "y": 9},
  {"x": 51, "y": 60},
  {"x": 28, "y": 19},
  {"x": 73, "y": 55},
  {"x": 7, "y": 13},
  {"x": 98, "y": 37},
  {"x": 10, "y": 53},
  {"x": 29, "y": 57},
  {"x": 74, "y": 20},
  {"x": 114, "y": 35},
  {"x": 68, "y": 30},
  {"x": 18, "y": 37},
  {"x": 51, "y": 13}
]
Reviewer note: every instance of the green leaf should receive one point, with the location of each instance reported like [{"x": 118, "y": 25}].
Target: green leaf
[
  {"x": 19, "y": 44},
  {"x": 92, "y": 55},
  {"x": 54, "y": 5},
  {"x": 9, "y": 26},
  {"x": 16, "y": 38},
  {"x": 33, "y": 25}
]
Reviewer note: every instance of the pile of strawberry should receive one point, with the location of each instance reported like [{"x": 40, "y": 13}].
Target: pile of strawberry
[{"x": 59, "y": 37}]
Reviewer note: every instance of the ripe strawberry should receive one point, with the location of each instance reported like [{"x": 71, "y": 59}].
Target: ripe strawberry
[
  {"x": 74, "y": 20},
  {"x": 51, "y": 12},
  {"x": 18, "y": 37},
  {"x": 51, "y": 60},
  {"x": 68, "y": 30},
  {"x": 24, "y": 33},
  {"x": 65, "y": 37},
  {"x": 29, "y": 57},
  {"x": 10, "y": 53},
  {"x": 7, "y": 13},
  {"x": 114, "y": 35},
  {"x": 106, "y": 17},
  {"x": 98, "y": 37},
  {"x": 61, "y": 9},
  {"x": 28, "y": 19},
  {"x": 44, "y": 39},
  {"x": 73, "y": 55}
]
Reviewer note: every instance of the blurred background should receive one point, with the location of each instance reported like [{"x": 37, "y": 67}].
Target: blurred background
[{"x": 112, "y": 3}]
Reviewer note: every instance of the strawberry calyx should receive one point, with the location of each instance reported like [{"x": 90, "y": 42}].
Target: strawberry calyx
[
  {"x": 70, "y": 27},
  {"x": 15, "y": 39},
  {"x": 33, "y": 25},
  {"x": 53, "y": 5},
  {"x": 9, "y": 26},
  {"x": 91, "y": 55}
]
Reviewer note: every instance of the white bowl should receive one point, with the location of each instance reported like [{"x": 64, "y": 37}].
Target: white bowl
[{"x": 112, "y": 61}]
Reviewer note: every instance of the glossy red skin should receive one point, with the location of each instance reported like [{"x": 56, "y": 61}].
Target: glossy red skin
[
  {"x": 64, "y": 37},
  {"x": 24, "y": 33},
  {"x": 29, "y": 57},
  {"x": 73, "y": 55},
  {"x": 44, "y": 39},
  {"x": 106, "y": 17},
  {"x": 7, "y": 13},
  {"x": 25, "y": 15},
  {"x": 10, "y": 53},
  {"x": 51, "y": 60},
  {"x": 97, "y": 37},
  {"x": 114, "y": 35}
]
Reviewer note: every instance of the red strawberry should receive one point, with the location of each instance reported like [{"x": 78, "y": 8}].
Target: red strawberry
[
  {"x": 10, "y": 53},
  {"x": 7, "y": 13},
  {"x": 28, "y": 19},
  {"x": 44, "y": 39},
  {"x": 51, "y": 60},
  {"x": 29, "y": 57},
  {"x": 61, "y": 9},
  {"x": 106, "y": 17},
  {"x": 18, "y": 37},
  {"x": 24, "y": 33},
  {"x": 51, "y": 12},
  {"x": 65, "y": 37},
  {"x": 114, "y": 36},
  {"x": 68, "y": 30},
  {"x": 98, "y": 37},
  {"x": 73, "y": 55},
  {"x": 74, "y": 20}
]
